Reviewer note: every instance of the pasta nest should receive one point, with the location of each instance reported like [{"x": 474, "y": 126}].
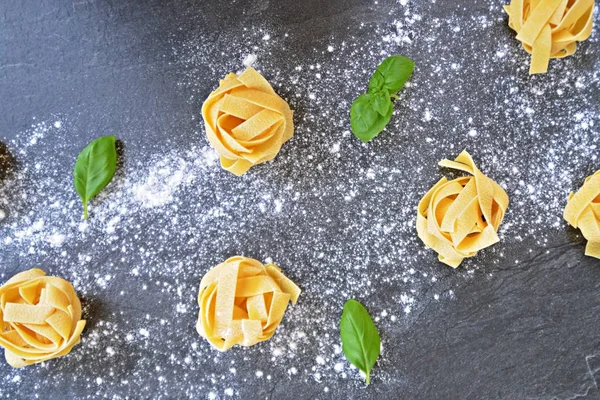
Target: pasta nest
[
  {"x": 246, "y": 121},
  {"x": 40, "y": 317},
  {"x": 583, "y": 212},
  {"x": 242, "y": 302},
  {"x": 458, "y": 218},
  {"x": 550, "y": 28}
]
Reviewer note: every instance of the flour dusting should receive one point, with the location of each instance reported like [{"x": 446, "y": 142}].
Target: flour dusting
[{"x": 337, "y": 215}]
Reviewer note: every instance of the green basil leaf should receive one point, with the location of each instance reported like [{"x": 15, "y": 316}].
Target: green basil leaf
[
  {"x": 381, "y": 102},
  {"x": 392, "y": 74},
  {"x": 376, "y": 82},
  {"x": 360, "y": 340},
  {"x": 365, "y": 120},
  {"x": 94, "y": 169},
  {"x": 372, "y": 111}
]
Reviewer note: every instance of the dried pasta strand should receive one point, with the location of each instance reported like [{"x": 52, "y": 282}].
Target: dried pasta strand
[
  {"x": 460, "y": 217},
  {"x": 242, "y": 302},
  {"x": 40, "y": 316},
  {"x": 246, "y": 121},
  {"x": 550, "y": 28},
  {"x": 583, "y": 212}
]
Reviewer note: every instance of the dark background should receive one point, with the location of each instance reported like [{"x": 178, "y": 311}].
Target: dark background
[{"x": 520, "y": 320}]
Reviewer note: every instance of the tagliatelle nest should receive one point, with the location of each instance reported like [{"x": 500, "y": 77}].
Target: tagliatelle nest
[
  {"x": 40, "y": 317},
  {"x": 458, "y": 218},
  {"x": 246, "y": 121},
  {"x": 583, "y": 212},
  {"x": 550, "y": 28},
  {"x": 242, "y": 302}
]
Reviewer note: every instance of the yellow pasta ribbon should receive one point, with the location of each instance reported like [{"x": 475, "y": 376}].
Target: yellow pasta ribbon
[
  {"x": 458, "y": 218},
  {"x": 550, "y": 28},
  {"x": 246, "y": 121},
  {"x": 40, "y": 317},
  {"x": 583, "y": 212},
  {"x": 242, "y": 302}
]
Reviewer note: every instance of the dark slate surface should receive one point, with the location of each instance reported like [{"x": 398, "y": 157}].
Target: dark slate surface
[{"x": 526, "y": 329}]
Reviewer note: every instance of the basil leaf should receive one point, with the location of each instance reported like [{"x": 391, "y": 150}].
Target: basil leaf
[
  {"x": 392, "y": 74},
  {"x": 371, "y": 112},
  {"x": 376, "y": 82},
  {"x": 365, "y": 120},
  {"x": 360, "y": 340},
  {"x": 94, "y": 169},
  {"x": 380, "y": 101}
]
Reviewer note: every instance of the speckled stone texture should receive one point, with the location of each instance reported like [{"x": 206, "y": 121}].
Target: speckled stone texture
[{"x": 519, "y": 321}]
